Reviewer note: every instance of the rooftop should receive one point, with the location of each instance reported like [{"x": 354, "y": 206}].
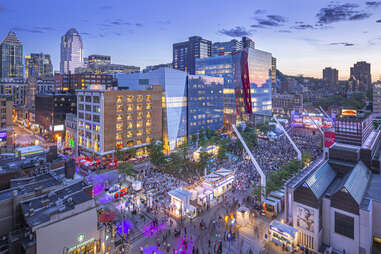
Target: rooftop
[
  {"x": 319, "y": 180},
  {"x": 39, "y": 210},
  {"x": 180, "y": 193}
]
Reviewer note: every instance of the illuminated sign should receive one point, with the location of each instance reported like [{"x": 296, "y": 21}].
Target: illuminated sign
[
  {"x": 349, "y": 112},
  {"x": 81, "y": 237},
  {"x": 3, "y": 136},
  {"x": 58, "y": 127},
  {"x": 329, "y": 138}
]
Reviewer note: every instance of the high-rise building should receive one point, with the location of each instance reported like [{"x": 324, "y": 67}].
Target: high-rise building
[
  {"x": 330, "y": 76},
  {"x": 273, "y": 74},
  {"x": 11, "y": 54},
  {"x": 186, "y": 53},
  {"x": 157, "y": 66},
  {"x": 16, "y": 88},
  {"x": 71, "y": 51},
  {"x": 247, "y": 43},
  {"x": 228, "y": 47},
  {"x": 377, "y": 98},
  {"x": 118, "y": 119},
  {"x": 99, "y": 59},
  {"x": 180, "y": 94},
  {"x": 71, "y": 82},
  {"x": 221, "y": 66},
  {"x": 247, "y": 82},
  {"x": 37, "y": 65},
  {"x": 360, "y": 72}
]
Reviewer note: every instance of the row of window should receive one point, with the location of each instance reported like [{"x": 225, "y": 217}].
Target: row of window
[
  {"x": 88, "y": 108},
  {"x": 89, "y": 126},
  {"x": 130, "y": 107},
  {"x": 131, "y": 98},
  {"x": 119, "y": 144},
  {"x": 130, "y": 134},
  {"x": 87, "y": 98},
  {"x": 130, "y": 125}
]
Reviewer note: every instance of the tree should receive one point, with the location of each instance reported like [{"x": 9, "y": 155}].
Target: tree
[
  {"x": 306, "y": 158},
  {"x": 120, "y": 155},
  {"x": 222, "y": 151},
  {"x": 183, "y": 149},
  {"x": 126, "y": 169},
  {"x": 203, "y": 161},
  {"x": 131, "y": 152},
  {"x": 257, "y": 192},
  {"x": 156, "y": 154}
]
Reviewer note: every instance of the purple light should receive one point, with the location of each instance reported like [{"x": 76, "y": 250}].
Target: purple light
[
  {"x": 153, "y": 249},
  {"x": 124, "y": 227},
  {"x": 151, "y": 230},
  {"x": 105, "y": 199},
  {"x": 98, "y": 188}
]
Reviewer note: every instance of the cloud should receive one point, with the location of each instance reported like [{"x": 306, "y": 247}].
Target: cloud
[
  {"x": 378, "y": 21},
  {"x": 269, "y": 21},
  {"x": 373, "y": 4},
  {"x": 285, "y": 31},
  {"x": 84, "y": 33},
  {"x": 336, "y": 12},
  {"x": 302, "y": 26},
  {"x": 346, "y": 44},
  {"x": 22, "y": 29},
  {"x": 374, "y": 41},
  {"x": 44, "y": 28},
  {"x": 237, "y": 31},
  {"x": 164, "y": 22},
  {"x": 139, "y": 24},
  {"x": 260, "y": 12}
]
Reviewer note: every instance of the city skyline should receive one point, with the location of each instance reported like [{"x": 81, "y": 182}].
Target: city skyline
[{"x": 304, "y": 37}]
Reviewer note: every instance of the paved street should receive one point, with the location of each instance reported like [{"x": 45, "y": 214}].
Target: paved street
[{"x": 24, "y": 136}]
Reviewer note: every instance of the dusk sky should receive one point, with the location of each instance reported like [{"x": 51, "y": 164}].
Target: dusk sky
[{"x": 304, "y": 35}]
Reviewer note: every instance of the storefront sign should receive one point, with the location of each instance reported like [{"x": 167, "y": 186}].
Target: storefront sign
[{"x": 329, "y": 138}]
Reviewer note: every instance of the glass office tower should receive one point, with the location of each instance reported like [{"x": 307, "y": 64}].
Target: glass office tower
[
  {"x": 205, "y": 103},
  {"x": 252, "y": 83},
  {"x": 11, "y": 57},
  {"x": 221, "y": 66},
  {"x": 71, "y": 52}
]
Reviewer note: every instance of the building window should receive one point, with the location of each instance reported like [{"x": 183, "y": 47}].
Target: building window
[
  {"x": 130, "y": 108},
  {"x": 96, "y": 99},
  {"x": 118, "y": 136},
  {"x": 148, "y": 115},
  {"x": 96, "y": 119},
  {"x": 119, "y": 118},
  {"x": 148, "y": 106},
  {"x": 96, "y": 109},
  {"x": 139, "y": 124},
  {"x": 148, "y": 131},
  {"x": 129, "y": 116},
  {"x": 139, "y": 142},
  {"x": 80, "y": 98},
  {"x": 148, "y": 139},
  {"x": 119, "y": 145},
  {"x": 129, "y": 125},
  {"x": 129, "y": 134},
  {"x": 119, "y": 108},
  {"x": 139, "y": 98},
  {"x": 97, "y": 128},
  {"x": 344, "y": 225},
  {"x": 88, "y": 98},
  {"x": 88, "y": 117},
  {"x": 148, "y": 98},
  {"x": 80, "y": 106},
  {"x": 130, "y": 143},
  {"x": 148, "y": 123},
  {"x": 130, "y": 98},
  {"x": 88, "y": 108},
  {"x": 119, "y": 99},
  {"x": 139, "y": 133},
  {"x": 139, "y": 107},
  {"x": 139, "y": 116},
  {"x": 119, "y": 126}
]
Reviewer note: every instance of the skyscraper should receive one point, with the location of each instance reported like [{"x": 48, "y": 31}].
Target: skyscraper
[
  {"x": 228, "y": 47},
  {"x": 360, "y": 72},
  {"x": 330, "y": 75},
  {"x": 71, "y": 51},
  {"x": 38, "y": 65},
  {"x": 185, "y": 53},
  {"x": 11, "y": 54}
]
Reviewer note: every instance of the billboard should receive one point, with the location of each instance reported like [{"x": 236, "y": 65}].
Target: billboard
[
  {"x": 304, "y": 120},
  {"x": 329, "y": 138},
  {"x": 305, "y": 218}
]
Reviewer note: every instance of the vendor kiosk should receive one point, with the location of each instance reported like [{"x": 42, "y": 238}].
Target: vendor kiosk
[{"x": 283, "y": 235}]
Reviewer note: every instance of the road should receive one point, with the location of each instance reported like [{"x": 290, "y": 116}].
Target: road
[{"x": 24, "y": 136}]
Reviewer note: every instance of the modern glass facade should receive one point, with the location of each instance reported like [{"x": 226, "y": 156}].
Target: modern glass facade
[
  {"x": 71, "y": 52},
  {"x": 11, "y": 54},
  {"x": 221, "y": 66},
  {"x": 38, "y": 65},
  {"x": 226, "y": 47},
  {"x": 174, "y": 101},
  {"x": 252, "y": 83},
  {"x": 205, "y": 103}
]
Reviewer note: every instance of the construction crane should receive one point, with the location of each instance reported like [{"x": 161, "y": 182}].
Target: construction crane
[
  {"x": 254, "y": 161},
  {"x": 298, "y": 152}
]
